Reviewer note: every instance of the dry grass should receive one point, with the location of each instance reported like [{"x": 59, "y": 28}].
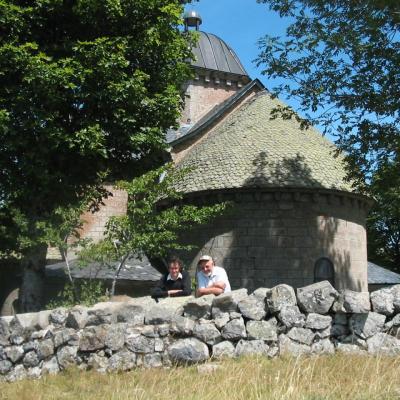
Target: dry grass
[{"x": 318, "y": 378}]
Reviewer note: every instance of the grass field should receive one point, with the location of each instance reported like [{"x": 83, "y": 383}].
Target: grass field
[{"x": 317, "y": 378}]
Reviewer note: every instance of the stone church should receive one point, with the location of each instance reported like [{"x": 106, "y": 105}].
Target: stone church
[{"x": 295, "y": 219}]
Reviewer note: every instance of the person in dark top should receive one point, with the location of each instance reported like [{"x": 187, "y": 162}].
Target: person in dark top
[{"x": 176, "y": 283}]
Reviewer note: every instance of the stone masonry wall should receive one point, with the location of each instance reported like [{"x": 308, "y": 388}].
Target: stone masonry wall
[
  {"x": 142, "y": 333},
  {"x": 277, "y": 237}
]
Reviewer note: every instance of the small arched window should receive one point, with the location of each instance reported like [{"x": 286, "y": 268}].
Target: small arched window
[{"x": 324, "y": 271}]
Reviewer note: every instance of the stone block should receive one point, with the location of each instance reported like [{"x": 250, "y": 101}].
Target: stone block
[
  {"x": 77, "y": 318},
  {"x": 123, "y": 360},
  {"x": 228, "y": 302},
  {"x": 301, "y": 335},
  {"x": 251, "y": 347},
  {"x": 351, "y": 302},
  {"x": 92, "y": 338},
  {"x": 198, "y": 308},
  {"x": 181, "y": 325},
  {"x": 383, "y": 301},
  {"x": 366, "y": 325},
  {"x": 264, "y": 330},
  {"x": 252, "y": 308},
  {"x": 58, "y": 316},
  {"x": 207, "y": 332},
  {"x": 140, "y": 344},
  {"x": 223, "y": 349},
  {"x": 67, "y": 356},
  {"x": 383, "y": 344},
  {"x": 289, "y": 347},
  {"x": 316, "y": 298},
  {"x": 324, "y": 346},
  {"x": 280, "y": 296},
  {"x": 317, "y": 321},
  {"x": 291, "y": 316},
  {"x": 234, "y": 330},
  {"x": 188, "y": 351}
]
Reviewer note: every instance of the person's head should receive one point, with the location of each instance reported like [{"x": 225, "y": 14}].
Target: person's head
[
  {"x": 175, "y": 266},
  {"x": 206, "y": 265}
]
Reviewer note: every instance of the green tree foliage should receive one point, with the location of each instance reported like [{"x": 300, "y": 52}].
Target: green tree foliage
[
  {"x": 156, "y": 217},
  {"x": 87, "y": 90},
  {"x": 341, "y": 60},
  {"x": 384, "y": 219}
]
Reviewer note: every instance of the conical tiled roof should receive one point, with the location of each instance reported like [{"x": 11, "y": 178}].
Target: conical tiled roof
[{"x": 249, "y": 149}]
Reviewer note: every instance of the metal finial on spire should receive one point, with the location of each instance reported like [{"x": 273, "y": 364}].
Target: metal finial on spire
[{"x": 192, "y": 18}]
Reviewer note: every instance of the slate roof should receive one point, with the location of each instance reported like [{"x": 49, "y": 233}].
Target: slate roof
[
  {"x": 213, "y": 53},
  {"x": 135, "y": 270},
  {"x": 249, "y": 149},
  {"x": 381, "y": 276}
]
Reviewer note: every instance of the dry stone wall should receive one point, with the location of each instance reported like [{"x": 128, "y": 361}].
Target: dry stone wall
[{"x": 142, "y": 333}]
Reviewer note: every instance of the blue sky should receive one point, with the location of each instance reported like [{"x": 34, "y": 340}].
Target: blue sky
[{"x": 240, "y": 23}]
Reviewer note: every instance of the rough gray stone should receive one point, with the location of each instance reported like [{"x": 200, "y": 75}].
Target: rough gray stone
[
  {"x": 77, "y": 318},
  {"x": 352, "y": 302},
  {"x": 290, "y": 347},
  {"x": 384, "y": 344},
  {"x": 234, "y": 330},
  {"x": 261, "y": 294},
  {"x": 301, "y": 335},
  {"x": 4, "y": 332},
  {"x": 349, "y": 348},
  {"x": 115, "y": 337},
  {"x": 159, "y": 314},
  {"x": 264, "y": 330},
  {"x": 251, "y": 347},
  {"x": 14, "y": 353},
  {"x": 140, "y": 344},
  {"x": 102, "y": 314},
  {"x": 181, "y": 326},
  {"x": 45, "y": 349},
  {"x": 124, "y": 360},
  {"x": 317, "y": 321},
  {"x": 58, "y": 316},
  {"x": 324, "y": 346},
  {"x": 354, "y": 339},
  {"x": 30, "y": 359},
  {"x": 67, "y": 356},
  {"x": 207, "y": 332},
  {"x": 396, "y": 298},
  {"x": 97, "y": 362},
  {"x": 51, "y": 366},
  {"x": 382, "y": 301},
  {"x": 149, "y": 331},
  {"x": 223, "y": 349},
  {"x": 92, "y": 338},
  {"x": 222, "y": 320},
  {"x": 323, "y": 333},
  {"x": 316, "y": 298},
  {"x": 252, "y": 308},
  {"x": 17, "y": 374},
  {"x": 158, "y": 345},
  {"x": 228, "y": 302},
  {"x": 34, "y": 373},
  {"x": 366, "y": 325},
  {"x": 42, "y": 334},
  {"x": 66, "y": 336},
  {"x": 131, "y": 313},
  {"x": 291, "y": 316},
  {"x": 189, "y": 350},
  {"x": 34, "y": 321},
  {"x": 162, "y": 330},
  {"x": 279, "y": 297},
  {"x": 152, "y": 360},
  {"x": 198, "y": 308},
  {"x": 5, "y": 366}
]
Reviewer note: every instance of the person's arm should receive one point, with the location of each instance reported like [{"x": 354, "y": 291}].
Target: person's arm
[
  {"x": 209, "y": 290},
  {"x": 159, "y": 290}
]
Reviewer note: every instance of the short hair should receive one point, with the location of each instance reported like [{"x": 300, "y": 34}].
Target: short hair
[{"x": 175, "y": 260}]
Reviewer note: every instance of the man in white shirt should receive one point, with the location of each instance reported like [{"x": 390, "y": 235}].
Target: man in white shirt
[{"x": 210, "y": 278}]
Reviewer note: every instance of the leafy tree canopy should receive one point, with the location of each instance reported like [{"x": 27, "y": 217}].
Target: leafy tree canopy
[
  {"x": 87, "y": 90},
  {"x": 341, "y": 60}
]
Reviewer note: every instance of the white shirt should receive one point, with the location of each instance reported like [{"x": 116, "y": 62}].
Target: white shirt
[{"x": 217, "y": 275}]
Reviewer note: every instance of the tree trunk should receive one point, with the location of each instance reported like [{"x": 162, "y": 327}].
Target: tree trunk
[{"x": 31, "y": 296}]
